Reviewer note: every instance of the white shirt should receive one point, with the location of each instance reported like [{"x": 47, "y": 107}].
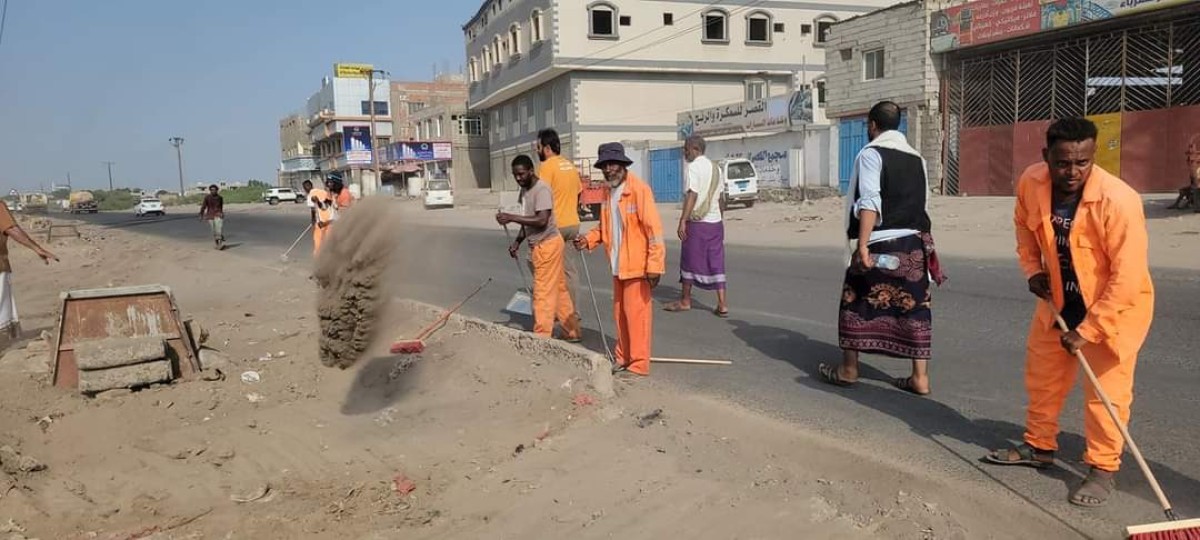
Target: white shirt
[
  {"x": 618, "y": 231},
  {"x": 699, "y": 179},
  {"x": 870, "y": 170}
]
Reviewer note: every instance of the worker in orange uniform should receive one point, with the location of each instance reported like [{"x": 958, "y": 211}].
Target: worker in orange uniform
[
  {"x": 321, "y": 202},
  {"x": 631, "y": 232},
  {"x": 551, "y": 301},
  {"x": 1082, "y": 243},
  {"x": 563, "y": 179}
]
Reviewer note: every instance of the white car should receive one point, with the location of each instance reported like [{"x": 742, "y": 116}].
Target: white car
[
  {"x": 275, "y": 196},
  {"x": 741, "y": 181},
  {"x": 439, "y": 193},
  {"x": 149, "y": 206}
]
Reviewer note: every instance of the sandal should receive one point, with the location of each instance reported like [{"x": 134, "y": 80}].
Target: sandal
[
  {"x": 1025, "y": 455},
  {"x": 831, "y": 375},
  {"x": 676, "y": 307},
  {"x": 906, "y": 384},
  {"x": 722, "y": 313},
  {"x": 1095, "y": 489}
]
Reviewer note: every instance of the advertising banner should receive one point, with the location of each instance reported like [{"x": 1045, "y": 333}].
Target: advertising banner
[
  {"x": 356, "y": 143},
  {"x": 419, "y": 151},
  {"x": 773, "y": 114},
  {"x": 352, "y": 71}
]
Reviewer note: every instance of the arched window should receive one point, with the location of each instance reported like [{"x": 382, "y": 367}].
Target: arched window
[
  {"x": 487, "y": 58},
  {"x": 535, "y": 26},
  {"x": 716, "y": 26},
  {"x": 474, "y": 69},
  {"x": 759, "y": 27},
  {"x": 496, "y": 57},
  {"x": 514, "y": 38},
  {"x": 602, "y": 21},
  {"x": 824, "y": 24}
]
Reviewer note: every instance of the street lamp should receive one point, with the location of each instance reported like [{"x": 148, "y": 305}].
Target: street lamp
[{"x": 177, "y": 142}]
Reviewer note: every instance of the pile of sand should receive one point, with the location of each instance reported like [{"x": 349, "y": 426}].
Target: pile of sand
[{"x": 350, "y": 274}]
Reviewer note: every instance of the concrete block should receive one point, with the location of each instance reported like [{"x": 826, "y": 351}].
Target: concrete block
[
  {"x": 115, "y": 352},
  {"x": 147, "y": 373}
]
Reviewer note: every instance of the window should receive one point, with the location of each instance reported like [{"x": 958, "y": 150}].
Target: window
[
  {"x": 626, "y": 20},
  {"x": 470, "y": 126},
  {"x": 415, "y": 106},
  {"x": 778, "y": 28},
  {"x": 487, "y": 59},
  {"x": 756, "y": 89},
  {"x": 381, "y": 108},
  {"x": 824, "y": 26},
  {"x": 514, "y": 37},
  {"x": 821, "y": 93},
  {"x": 805, "y": 29},
  {"x": 602, "y": 21},
  {"x": 873, "y": 65},
  {"x": 716, "y": 26},
  {"x": 668, "y": 19},
  {"x": 758, "y": 27},
  {"x": 535, "y": 26},
  {"x": 496, "y": 58},
  {"x": 474, "y": 70}
]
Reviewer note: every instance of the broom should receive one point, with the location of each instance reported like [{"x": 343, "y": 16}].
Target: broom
[
  {"x": 1172, "y": 529},
  {"x": 417, "y": 345}
]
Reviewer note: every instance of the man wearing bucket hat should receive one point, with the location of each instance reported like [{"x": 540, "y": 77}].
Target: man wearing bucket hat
[{"x": 631, "y": 232}]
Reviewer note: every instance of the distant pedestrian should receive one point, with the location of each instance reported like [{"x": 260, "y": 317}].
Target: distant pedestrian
[
  {"x": 563, "y": 178},
  {"x": 1189, "y": 194},
  {"x": 886, "y": 304},
  {"x": 10, "y": 324},
  {"x": 631, "y": 232},
  {"x": 702, "y": 229},
  {"x": 312, "y": 208},
  {"x": 551, "y": 301},
  {"x": 1083, "y": 246},
  {"x": 212, "y": 210}
]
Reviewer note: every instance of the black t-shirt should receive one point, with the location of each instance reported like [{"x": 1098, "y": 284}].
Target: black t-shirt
[{"x": 1063, "y": 217}]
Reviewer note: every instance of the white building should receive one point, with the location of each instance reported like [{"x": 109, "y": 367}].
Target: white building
[
  {"x": 340, "y": 125},
  {"x": 614, "y": 70}
]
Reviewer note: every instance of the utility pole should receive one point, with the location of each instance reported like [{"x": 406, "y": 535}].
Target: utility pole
[
  {"x": 69, "y": 188},
  {"x": 378, "y": 181},
  {"x": 177, "y": 142},
  {"x": 110, "y": 180}
]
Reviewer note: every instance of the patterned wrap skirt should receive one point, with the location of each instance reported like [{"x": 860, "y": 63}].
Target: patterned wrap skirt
[{"x": 888, "y": 312}]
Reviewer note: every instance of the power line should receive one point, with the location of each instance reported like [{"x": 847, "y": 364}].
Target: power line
[{"x": 643, "y": 34}]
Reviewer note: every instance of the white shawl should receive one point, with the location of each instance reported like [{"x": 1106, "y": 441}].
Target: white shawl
[{"x": 892, "y": 140}]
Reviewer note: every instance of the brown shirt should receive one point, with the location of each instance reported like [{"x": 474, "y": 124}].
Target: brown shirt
[
  {"x": 213, "y": 207},
  {"x": 537, "y": 198},
  {"x": 6, "y": 222}
]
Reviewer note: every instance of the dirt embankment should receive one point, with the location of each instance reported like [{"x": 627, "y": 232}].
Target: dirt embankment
[{"x": 478, "y": 437}]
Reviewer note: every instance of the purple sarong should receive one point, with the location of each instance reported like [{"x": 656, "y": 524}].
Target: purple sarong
[{"x": 702, "y": 262}]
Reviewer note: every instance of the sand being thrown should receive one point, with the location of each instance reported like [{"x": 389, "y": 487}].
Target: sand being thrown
[{"x": 352, "y": 276}]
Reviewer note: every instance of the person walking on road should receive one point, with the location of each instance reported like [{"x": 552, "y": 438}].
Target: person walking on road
[
  {"x": 1083, "y": 246},
  {"x": 312, "y": 208},
  {"x": 886, "y": 303},
  {"x": 631, "y": 232},
  {"x": 323, "y": 203},
  {"x": 212, "y": 210},
  {"x": 563, "y": 178},
  {"x": 702, "y": 230},
  {"x": 551, "y": 300},
  {"x": 10, "y": 323}
]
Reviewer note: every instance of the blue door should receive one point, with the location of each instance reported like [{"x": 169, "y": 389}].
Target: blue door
[
  {"x": 666, "y": 174},
  {"x": 852, "y": 137}
]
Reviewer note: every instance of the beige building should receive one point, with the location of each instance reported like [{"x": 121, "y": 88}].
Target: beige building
[
  {"x": 469, "y": 164},
  {"x": 410, "y": 97},
  {"x": 615, "y": 70},
  {"x": 296, "y": 161}
]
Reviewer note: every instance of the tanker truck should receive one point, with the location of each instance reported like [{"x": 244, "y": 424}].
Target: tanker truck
[{"x": 82, "y": 202}]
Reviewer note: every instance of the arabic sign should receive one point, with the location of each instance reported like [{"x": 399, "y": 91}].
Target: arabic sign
[
  {"x": 418, "y": 151},
  {"x": 772, "y": 114},
  {"x": 356, "y": 143},
  {"x": 352, "y": 71},
  {"x": 987, "y": 21}
]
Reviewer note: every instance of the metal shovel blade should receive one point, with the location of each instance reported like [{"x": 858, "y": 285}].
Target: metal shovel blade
[{"x": 520, "y": 303}]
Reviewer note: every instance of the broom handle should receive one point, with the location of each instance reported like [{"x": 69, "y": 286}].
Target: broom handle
[
  {"x": 517, "y": 260},
  {"x": 599, "y": 320},
  {"x": 298, "y": 239},
  {"x": 1112, "y": 412},
  {"x": 442, "y": 320}
]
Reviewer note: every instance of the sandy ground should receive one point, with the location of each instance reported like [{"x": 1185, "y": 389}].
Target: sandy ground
[
  {"x": 475, "y": 438},
  {"x": 966, "y": 227}
]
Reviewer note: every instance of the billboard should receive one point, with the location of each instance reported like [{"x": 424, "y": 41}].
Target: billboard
[
  {"x": 352, "y": 71},
  {"x": 772, "y": 114},
  {"x": 418, "y": 151},
  {"x": 356, "y": 143},
  {"x": 988, "y": 21}
]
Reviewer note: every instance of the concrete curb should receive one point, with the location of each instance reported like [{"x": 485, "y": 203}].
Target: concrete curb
[{"x": 595, "y": 365}]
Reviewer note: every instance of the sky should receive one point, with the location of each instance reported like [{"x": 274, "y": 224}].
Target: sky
[{"x": 88, "y": 81}]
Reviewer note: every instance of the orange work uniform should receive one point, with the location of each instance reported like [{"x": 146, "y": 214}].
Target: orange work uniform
[
  {"x": 1109, "y": 252},
  {"x": 325, "y": 213},
  {"x": 635, "y": 248},
  {"x": 563, "y": 179}
]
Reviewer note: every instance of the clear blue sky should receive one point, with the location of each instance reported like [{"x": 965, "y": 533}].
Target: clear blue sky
[{"x": 86, "y": 81}]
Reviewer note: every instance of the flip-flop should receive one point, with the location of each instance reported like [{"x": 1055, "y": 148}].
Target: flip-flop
[
  {"x": 1025, "y": 457},
  {"x": 906, "y": 384},
  {"x": 721, "y": 314},
  {"x": 676, "y": 307},
  {"x": 830, "y": 375}
]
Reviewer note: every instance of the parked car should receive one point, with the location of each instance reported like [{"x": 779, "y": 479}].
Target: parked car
[
  {"x": 149, "y": 206},
  {"x": 275, "y": 196},
  {"x": 741, "y": 181},
  {"x": 439, "y": 193}
]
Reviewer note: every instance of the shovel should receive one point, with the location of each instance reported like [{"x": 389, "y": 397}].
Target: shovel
[{"x": 521, "y": 302}]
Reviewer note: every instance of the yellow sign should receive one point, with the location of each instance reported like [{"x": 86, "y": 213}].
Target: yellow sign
[
  {"x": 352, "y": 71},
  {"x": 1108, "y": 141}
]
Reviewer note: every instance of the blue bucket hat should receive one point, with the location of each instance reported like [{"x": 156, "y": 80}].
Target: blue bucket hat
[{"x": 612, "y": 152}]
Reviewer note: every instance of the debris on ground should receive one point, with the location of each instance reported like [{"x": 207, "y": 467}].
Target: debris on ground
[{"x": 650, "y": 418}]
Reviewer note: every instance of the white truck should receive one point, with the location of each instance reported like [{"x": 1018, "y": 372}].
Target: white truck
[{"x": 275, "y": 196}]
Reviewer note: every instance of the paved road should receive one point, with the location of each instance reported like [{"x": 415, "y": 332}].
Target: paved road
[{"x": 782, "y": 325}]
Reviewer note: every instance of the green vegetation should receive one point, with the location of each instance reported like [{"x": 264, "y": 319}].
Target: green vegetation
[
  {"x": 118, "y": 199},
  {"x": 125, "y": 199}
]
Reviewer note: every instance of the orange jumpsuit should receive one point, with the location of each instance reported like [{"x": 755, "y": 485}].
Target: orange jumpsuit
[
  {"x": 551, "y": 300},
  {"x": 1109, "y": 251},
  {"x": 640, "y": 251},
  {"x": 324, "y": 218}
]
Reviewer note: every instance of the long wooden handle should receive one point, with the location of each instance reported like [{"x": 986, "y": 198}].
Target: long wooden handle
[
  {"x": 1112, "y": 412},
  {"x": 691, "y": 361},
  {"x": 429, "y": 330}
]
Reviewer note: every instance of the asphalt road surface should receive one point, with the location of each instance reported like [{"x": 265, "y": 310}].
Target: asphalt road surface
[{"x": 783, "y": 323}]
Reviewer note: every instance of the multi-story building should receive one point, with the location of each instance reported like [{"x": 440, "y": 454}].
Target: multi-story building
[
  {"x": 297, "y": 163},
  {"x": 615, "y": 70},
  {"x": 409, "y": 97},
  {"x": 469, "y": 163},
  {"x": 339, "y": 120}
]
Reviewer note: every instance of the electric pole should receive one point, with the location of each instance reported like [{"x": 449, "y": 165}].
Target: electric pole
[
  {"x": 177, "y": 142},
  {"x": 110, "y": 181},
  {"x": 378, "y": 181}
]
